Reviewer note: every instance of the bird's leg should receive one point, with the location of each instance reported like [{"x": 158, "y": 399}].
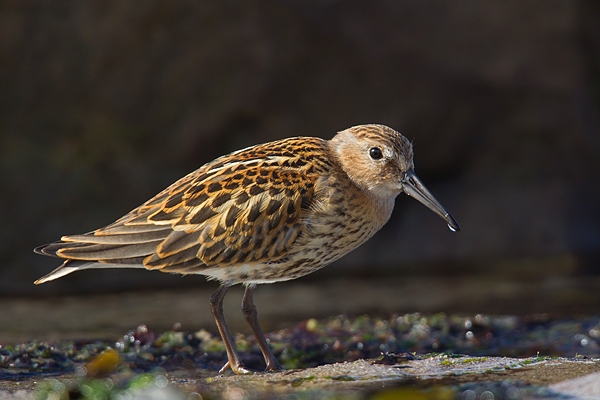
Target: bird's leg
[
  {"x": 216, "y": 306},
  {"x": 249, "y": 311}
]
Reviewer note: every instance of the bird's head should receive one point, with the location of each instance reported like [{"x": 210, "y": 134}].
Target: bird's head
[{"x": 379, "y": 160}]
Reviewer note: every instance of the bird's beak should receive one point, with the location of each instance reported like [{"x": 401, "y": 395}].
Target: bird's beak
[{"x": 413, "y": 187}]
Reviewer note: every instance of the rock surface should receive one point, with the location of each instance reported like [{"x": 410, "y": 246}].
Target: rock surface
[{"x": 437, "y": 377}]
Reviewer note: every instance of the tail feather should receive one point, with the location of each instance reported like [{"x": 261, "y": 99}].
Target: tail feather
[
  {"x": 102, "y": 252},
  {"x": 77, "y": 265},
  {"x": 87, "y": 255},
  {"x": 119, "y": 237},
  {"x": 130, "y": 242},
  {"x": 97, "y": 251}
]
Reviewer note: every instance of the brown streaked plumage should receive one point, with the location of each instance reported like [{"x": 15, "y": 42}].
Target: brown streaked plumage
[{"x": 267, "y": 213}]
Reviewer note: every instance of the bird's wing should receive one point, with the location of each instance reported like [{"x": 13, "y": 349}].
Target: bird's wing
[{"x": 245, "y": 207}]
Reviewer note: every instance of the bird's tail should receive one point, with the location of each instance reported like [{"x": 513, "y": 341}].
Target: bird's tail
[
  {"x": 71, "y": 266},
  {"x": 86, "y": 252}
]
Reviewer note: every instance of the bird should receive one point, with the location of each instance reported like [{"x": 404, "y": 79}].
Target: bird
[{"x": 267, "y": 213}]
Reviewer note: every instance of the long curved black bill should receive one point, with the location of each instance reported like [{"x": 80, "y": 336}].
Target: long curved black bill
[{"x": 415, "y": 189}]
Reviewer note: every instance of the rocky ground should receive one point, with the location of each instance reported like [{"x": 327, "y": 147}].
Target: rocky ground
[{"x": 408, "y": 356}]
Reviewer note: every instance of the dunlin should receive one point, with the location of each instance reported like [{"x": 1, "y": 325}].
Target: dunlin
[{"x": 267, "y": 213}]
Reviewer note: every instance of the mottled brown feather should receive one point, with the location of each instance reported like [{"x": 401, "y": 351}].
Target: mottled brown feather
[{"x": 241, "y": 208}]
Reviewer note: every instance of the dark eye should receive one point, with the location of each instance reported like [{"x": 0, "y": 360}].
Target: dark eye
[{"x": 375, "y": 153}]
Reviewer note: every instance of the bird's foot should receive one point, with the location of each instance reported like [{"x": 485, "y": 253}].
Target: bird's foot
[
  {"x": 238, "y": 369},
  {"x": 273, "y": 366}
]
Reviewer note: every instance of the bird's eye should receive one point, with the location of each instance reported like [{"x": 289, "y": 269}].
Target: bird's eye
[{"x": 375, "y": 153}]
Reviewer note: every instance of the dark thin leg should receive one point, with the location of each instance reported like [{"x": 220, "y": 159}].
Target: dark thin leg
[
  {"x": 216, "y": 306},
  {"x": 249, "y": 311}
]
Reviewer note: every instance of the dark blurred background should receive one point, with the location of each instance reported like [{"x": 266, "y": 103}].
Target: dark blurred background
[{"x": 105, "y": 103}]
